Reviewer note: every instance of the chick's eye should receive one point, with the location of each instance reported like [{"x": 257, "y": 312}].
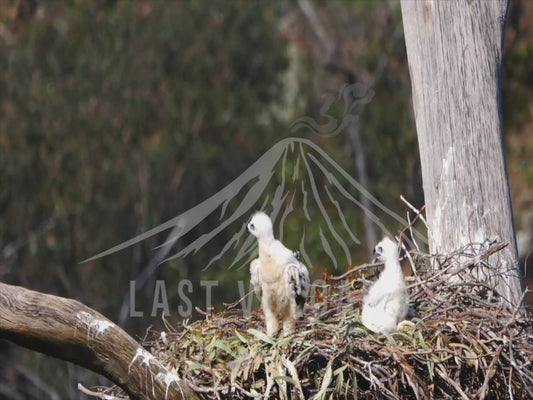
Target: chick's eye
[{"x": 252, "y": 226}]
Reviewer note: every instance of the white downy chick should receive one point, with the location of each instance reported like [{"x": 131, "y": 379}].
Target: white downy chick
[
  {"x": 279, "y": 279},
  {"x": 387, "y": 301}
]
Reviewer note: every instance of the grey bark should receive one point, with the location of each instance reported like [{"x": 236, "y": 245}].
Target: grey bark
[
  {"x": 66, "y": 329},
  {"x": 455, "y": 53}
]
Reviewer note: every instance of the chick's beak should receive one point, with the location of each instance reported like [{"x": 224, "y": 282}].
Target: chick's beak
[{"x": 375, "y": 256}]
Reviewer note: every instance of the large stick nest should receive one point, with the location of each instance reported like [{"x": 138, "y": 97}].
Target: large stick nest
[{"x": 464, "y": 342}]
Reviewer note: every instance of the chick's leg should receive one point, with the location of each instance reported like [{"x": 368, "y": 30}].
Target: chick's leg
[{"x": 271, "y": 320}]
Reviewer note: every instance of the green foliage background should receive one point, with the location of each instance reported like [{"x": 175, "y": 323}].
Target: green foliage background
[{"x": 116, "y": 116}]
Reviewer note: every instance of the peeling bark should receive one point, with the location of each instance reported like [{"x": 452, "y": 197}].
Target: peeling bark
[{"x": 68, "y": 330}]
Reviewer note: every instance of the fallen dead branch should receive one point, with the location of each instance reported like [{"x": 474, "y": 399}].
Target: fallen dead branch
[{"x": 66, "y": 329}]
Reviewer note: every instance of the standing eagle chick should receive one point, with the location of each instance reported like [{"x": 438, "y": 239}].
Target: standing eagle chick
[
  {"x": 279, "y": 279},
  {"x": 386, "y": 303}
]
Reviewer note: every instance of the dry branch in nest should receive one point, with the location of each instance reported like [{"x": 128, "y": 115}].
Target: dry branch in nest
[{"x": 463, "y": 343}]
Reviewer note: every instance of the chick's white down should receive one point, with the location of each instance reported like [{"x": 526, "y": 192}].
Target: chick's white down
[
  {"x": 278, "y": 277},
  {"x": 387, "y": 301}
]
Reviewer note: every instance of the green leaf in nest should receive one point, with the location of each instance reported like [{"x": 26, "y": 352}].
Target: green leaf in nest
[
  {"x": 286, "y": 379},
  {"x": 217, "y": 343},
  {"x": 261, "y": 336}
]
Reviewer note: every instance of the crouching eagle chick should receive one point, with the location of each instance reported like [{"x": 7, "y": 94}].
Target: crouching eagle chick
[
  {"x": 386, "y": 303},
  {"x": 279, "y": 279}
]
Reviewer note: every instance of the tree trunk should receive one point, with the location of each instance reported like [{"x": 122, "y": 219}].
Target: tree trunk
[
  {"x": 455, "y": 56},
  {"x": 66, "y": 329}
]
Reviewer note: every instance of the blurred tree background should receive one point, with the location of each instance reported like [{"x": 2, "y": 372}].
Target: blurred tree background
[{"x": 116, "y": 116}]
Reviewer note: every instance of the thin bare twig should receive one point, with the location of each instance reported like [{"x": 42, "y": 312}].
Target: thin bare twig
[
  {"x": 353, "y": 271},
  {"x": 100, "y": 395}
]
